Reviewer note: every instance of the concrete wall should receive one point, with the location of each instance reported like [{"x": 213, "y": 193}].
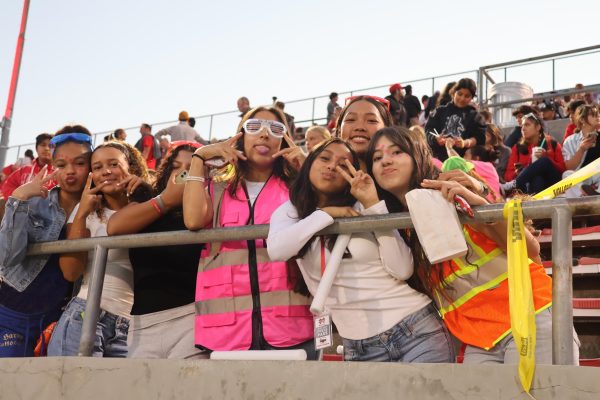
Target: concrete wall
[{"x": 106, "y": 379}]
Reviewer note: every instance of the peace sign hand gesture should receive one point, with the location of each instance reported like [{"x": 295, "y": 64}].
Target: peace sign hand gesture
[
  {"x": 129, "y": 182},
  {"x": 292, "y": 154},
  {"x": 361, "y": 185},
  {"x": 90, "y": 199},
  {"x": 36, "y": 186},
  {"x": 225, "y": 150}
]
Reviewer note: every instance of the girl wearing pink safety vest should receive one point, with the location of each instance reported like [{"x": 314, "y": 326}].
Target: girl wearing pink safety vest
[{"x": 245, "y": 301}]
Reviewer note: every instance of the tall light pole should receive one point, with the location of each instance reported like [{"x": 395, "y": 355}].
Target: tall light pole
[{"x": 12, "y": 91}]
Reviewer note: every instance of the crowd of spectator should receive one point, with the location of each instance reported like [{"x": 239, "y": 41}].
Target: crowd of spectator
[{"x": 185, "y": 301}]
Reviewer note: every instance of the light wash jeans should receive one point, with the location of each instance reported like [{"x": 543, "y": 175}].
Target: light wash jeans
[
  {"x": 505, "y": 351},
  {"x": 111, "y": 333},
  {"x": 421, "y": 337}
]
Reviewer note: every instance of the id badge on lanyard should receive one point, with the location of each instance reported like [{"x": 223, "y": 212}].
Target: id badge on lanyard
[{"x": 322, "y": 323}]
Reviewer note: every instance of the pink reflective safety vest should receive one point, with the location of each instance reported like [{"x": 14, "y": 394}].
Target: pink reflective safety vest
[{"x": 243, "y": 299}]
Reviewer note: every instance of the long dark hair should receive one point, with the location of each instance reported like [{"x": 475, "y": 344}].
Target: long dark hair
[
  {"x": 415, "y": 145},
  {"x": 304, "y": 198},
  {"x": 281, "y": 168},
  {"x": 522, "y": 146}
]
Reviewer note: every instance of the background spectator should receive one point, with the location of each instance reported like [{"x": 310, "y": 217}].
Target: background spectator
[
  {"x": 571, "y": 108},
  {"x": 445, "y": 97},
  {"x": 331, "y": 106},
  {"x": 26, "y": 173},
  {"x": 192, "y": 122},
  {"x": 148, "y": 145},
  {"x": 516, "y": 135},
  {"x": 289, "y": 118},
  {"x": 316, "y": 135},
  {"x": 181, "y": 131},
  {"x": 243, "y": 105},
  {"x": 119, "y": 134},
  {"x": 412, "y": 106},
  {"x": 397, "y": 109}
]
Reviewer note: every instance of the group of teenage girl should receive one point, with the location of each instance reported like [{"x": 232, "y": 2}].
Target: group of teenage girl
[{"x": 388, "y": 302}]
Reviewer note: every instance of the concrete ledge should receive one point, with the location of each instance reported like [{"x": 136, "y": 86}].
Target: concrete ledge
[{"x": 109, "y": 379}]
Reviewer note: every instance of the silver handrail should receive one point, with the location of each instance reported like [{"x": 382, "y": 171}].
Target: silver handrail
[{"x": 559, "y": 210}]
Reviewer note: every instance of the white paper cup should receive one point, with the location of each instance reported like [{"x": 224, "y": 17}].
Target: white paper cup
[{"x": 534, "y": 150}]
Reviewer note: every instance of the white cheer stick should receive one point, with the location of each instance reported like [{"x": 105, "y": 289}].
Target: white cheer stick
[{"x": 331, "y": 269}]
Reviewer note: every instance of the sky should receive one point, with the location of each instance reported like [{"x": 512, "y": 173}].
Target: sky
[{"x": 111, "y": 64}]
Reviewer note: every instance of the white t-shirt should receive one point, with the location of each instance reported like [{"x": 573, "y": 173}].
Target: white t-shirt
[
  {"x": 254, "y": 189},
  {"x": 369, "y": 294},
  {"x": 117, "y": 292}
]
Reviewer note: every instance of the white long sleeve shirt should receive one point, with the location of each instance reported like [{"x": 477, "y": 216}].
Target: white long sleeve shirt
[{"x": 369, "y": 294}]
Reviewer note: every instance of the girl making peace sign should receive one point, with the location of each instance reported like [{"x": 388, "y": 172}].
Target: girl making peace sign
[
  {"x": 117, "y": 171},
  {"x": 244, "y": 300},
  {"x": 34, "y": 288},
  {"x": 377, "y": 314}
]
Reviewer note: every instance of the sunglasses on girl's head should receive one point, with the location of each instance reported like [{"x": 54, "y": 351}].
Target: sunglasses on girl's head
[
  {"x": 179, "y": 143},
  {"x": 275, "y": 128},
  {"x": 380, "y": 100},
  {"x": 71, "y": 137},
  {"x": 532, "y": 116}
]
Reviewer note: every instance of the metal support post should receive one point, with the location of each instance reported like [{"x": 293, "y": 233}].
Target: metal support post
[
  {"x": 432, "y": 86},
  {"x": 92, "y": 306},
  {"x": 210, "y": 129},
  {"x": 562, "y": 287},
  {"x": 553, "y": 76},
  {"x": 313, "y": 113}
]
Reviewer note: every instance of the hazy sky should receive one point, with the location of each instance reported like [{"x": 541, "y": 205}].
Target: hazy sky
[{"x": 109, "y": 64}]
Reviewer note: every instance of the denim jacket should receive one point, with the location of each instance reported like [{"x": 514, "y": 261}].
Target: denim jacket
[{"x": 30, "y": 221}]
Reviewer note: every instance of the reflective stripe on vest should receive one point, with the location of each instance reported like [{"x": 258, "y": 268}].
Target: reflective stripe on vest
[
  {"x": 235, "y": 257},
  {"x": 242, "y": 303},
  {"x": 471, "y": 277}
]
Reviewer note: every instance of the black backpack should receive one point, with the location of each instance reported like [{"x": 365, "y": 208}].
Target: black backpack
[{"x": 156, "y": 153}]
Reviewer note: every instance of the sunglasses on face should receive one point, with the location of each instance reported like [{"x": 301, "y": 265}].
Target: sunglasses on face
[
  {"x": 71, "y": 137},
  {"x": 275, "y": 128},
  {"x": 380, "y": 100}
]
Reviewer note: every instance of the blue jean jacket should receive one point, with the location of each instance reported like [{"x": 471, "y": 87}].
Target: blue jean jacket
[{"x": 30, "y": 221}]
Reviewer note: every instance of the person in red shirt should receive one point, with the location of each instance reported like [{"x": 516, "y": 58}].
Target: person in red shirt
[
  {"x": 148, "y": 146},
  {"x": 25, "y": 174},
  {"x": 573, "y": 105},
  {"x": 531, "y": 172}
]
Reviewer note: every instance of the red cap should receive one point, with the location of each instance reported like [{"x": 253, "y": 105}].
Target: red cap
[{"x": 395, "y": 87}]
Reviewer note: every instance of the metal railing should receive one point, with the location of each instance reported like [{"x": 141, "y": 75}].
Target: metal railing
[
  {"x": 559, "y": 210},
  {"x": 485, "y": 72},
  {"x": 311, "y": 110}
]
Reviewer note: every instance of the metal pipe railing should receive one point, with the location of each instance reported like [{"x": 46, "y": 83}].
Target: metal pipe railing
[
  {"x": 559, "y": 210},
  {"x": 558, "y": 93}
]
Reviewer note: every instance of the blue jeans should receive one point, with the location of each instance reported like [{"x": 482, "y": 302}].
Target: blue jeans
[
  {"x": 421, "y": 337},
  {"x": 111, "y": 333},
  {"x": 538, "y": 176}
]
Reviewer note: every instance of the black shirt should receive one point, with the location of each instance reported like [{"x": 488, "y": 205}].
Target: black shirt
[{"x": 164, "y": 277}]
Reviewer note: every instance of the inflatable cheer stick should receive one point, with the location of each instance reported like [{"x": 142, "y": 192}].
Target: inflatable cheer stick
[{"x": 331, "y": 269}]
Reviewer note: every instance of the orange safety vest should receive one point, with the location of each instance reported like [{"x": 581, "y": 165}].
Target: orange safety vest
[{"x": 473, "y": 298}]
